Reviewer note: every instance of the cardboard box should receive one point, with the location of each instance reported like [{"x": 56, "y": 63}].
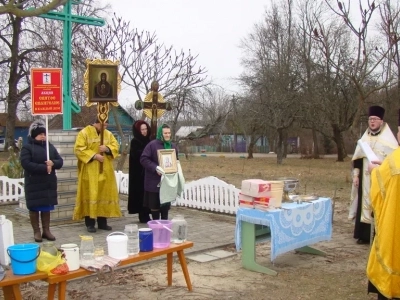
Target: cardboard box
[
  {"x": 244, "y": 197},
  {"x": 256, "y": 188},
  {"x": 248, "y": 204}
]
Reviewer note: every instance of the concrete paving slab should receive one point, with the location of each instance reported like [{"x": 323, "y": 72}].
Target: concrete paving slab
[
  {"x": 202, "y": 258},
  {"x": 207, "y": 230},
  {"x": 210, "y": 255},
  {"x": 220, "y": 253}
]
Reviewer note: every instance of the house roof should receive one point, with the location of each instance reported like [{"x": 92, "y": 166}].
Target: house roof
[
  {"x": 86, "y": 117},
  {"x": 184, "y": 131},
  {"x": 18, "y": 123}
]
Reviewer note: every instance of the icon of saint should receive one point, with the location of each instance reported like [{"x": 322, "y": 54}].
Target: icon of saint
[{"x": 103, "y": 88}]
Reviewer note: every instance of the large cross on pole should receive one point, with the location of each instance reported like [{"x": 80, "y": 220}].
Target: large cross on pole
[
  {"x": 68, "y": 18},
  {"x": 154, "y": 107}
]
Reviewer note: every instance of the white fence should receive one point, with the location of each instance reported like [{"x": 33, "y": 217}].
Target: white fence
[
  {"x": 209, "y": 193},
  {"x": 122, "y": 182},
  {"x": 11, "y": 189}
]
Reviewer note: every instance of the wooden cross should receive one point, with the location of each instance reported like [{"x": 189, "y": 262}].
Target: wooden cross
[{"x": 154, "y": 107}]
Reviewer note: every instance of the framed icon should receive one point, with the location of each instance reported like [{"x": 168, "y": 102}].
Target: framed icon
[
  {"x": 167, "y": 160},
  {"x": 102, "y": 81}
]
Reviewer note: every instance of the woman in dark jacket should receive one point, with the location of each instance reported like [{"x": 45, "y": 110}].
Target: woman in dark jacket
[
  {"x": 40, "y": 179},
  {"x": 141, "y": 137},
  {"x": 149, "y": 161}
]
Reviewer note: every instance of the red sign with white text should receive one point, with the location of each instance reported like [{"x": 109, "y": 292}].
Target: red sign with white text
[{"x": 46, "y": 91}]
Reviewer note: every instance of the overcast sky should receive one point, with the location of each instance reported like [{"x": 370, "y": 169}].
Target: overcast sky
[{"x": 211, "y": 29}]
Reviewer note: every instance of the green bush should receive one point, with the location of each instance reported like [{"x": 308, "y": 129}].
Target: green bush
[{"x": 12, "y": 168}]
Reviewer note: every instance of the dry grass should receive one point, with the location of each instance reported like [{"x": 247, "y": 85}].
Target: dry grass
[{"x": 323, "y": 177}]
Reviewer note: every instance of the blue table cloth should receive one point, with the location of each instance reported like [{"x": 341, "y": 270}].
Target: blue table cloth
[{"x": 293, "y": 226}]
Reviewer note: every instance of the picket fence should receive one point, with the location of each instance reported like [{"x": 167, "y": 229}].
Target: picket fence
[
  {"x": 11, "y": 189},
  {"x": 209, "y": 193}
]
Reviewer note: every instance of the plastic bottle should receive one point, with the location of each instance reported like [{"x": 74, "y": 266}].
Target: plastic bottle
[
  {"x": 131, "y": 230},
  {"x": 6, "y": 239},
  {"x": 179, "y": 228}
]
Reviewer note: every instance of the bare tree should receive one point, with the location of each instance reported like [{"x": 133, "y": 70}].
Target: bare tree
[
  {"x": 390, "y": 27},
  {"x": 213, "y": 107},
  {"x": 143, "y": 60},
  {"x": 272, "y": 73},
  {"x": 365, "y": 68},
  {"x": 26, "y": 43},
  {"x": 331, "y": 103},
  {"x": 18, "y": 7}
]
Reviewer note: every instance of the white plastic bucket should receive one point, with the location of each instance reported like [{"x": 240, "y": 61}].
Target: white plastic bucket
[
  {"x": 117, "y": 243},
  {"x": 71, "y": 255}
]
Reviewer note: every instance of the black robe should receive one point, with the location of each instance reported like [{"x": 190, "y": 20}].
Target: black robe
[
  {"x": 362, "y": 230},
  {"x": 136, "y": 171}
]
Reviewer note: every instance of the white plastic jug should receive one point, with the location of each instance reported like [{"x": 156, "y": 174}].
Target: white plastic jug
[
  {"x": 117, "y": 243},
  {"x": 71, "y": 255},
  {"x": 6, "y": 239}
]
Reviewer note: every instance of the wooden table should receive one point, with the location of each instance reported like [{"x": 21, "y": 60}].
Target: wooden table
[
  {"x": 61, "y": 280},
  {"x": 11, "y": 283}
]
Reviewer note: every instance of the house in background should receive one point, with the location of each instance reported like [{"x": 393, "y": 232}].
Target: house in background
[
  {"x": 21, "y": 127},
  {"x": 88, "y": 115},
  {"x": 185, "y": 132}
]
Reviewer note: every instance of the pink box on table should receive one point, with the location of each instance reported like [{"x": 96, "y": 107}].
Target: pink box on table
[
  {"x": 256, "y": 188},
  {"x": 246, "y": 198},
  {"x": 248, "y": 204}
]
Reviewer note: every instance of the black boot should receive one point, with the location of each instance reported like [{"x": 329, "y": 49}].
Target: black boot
[
  {"x": 164, "y": 212},
  {"x": 102, "y": 224},
  {"x": 144, "y": 215},
  {"x": 155, "y": 214},
  {"x": 89, "y": 222},
  {"x": 381, "y": 297}
]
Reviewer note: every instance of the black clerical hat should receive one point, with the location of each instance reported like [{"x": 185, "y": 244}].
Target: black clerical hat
[{"x": 376, "y": 111}]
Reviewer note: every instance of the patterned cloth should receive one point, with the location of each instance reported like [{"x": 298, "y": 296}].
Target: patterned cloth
[
  {"x": 294, "y": 226},
  {"x": 108, "y": 263},
  {"x": 2, "y": 273}
]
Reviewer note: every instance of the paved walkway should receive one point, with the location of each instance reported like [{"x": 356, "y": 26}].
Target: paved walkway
[{"x": 206, "y": 229}]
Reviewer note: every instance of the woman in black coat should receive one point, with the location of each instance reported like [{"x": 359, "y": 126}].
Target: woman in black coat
[
  {"x": 40, "y": 179},
  {"x": 141, "y": 137}
]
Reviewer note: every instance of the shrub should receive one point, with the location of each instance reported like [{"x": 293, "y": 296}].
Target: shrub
[{"x": 12, "y": 168}]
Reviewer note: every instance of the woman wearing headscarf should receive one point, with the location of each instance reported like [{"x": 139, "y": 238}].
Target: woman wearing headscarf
[
  {"x": 40, "y": 179},
  {"x": 152, "y": 177},
  {"x": 141, "y": 137}
]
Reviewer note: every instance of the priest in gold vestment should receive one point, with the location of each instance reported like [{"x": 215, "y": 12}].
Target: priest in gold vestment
[
  {"x": 97, "y": 195},
  {"x": 383, "y": 269}
]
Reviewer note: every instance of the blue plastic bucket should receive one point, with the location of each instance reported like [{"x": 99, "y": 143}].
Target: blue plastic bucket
[
  {"x": 23, "y": 258},
  {"x": 145, "y": 239}
]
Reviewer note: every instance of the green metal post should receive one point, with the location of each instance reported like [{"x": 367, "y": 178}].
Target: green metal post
[{"x": 68, "y": 18}]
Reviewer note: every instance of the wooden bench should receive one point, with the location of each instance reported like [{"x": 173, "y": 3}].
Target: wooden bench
[
  {"x": 10, "y": 283},
  {"x": 61, "y": 280}
]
